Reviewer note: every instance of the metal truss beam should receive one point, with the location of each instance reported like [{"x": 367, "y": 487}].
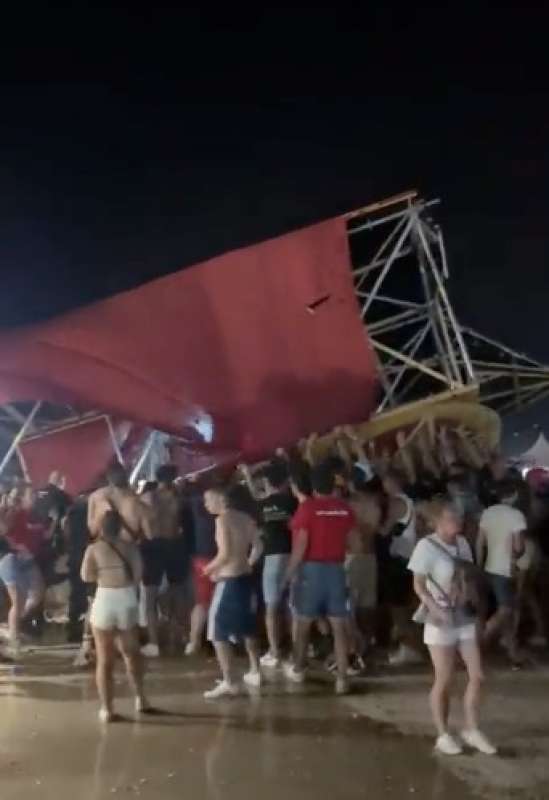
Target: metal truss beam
[{"x": 401, "y": 283}]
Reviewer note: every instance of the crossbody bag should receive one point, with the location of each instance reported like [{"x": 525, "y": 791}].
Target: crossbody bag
[{"x": 462, "y": 614}]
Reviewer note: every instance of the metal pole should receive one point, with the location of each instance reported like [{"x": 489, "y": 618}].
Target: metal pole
[
  {"x": 499, "y": 346},
  {"x": 379, "y": 259},
  {"x": 447, "y": 307},
  {"x": 23, "y": 465},
  {"x": 115, "y": 445},
  {"x": 410, "y": 361},
  {"x": 374, "y": 223},
  {"x": 434, "y": 327},
  {"x": 444, "y": 344},
  {"x": 445, "y": 270},
  {"x": 142, "y": 458},
  {"x": 385, "y": 298},
  {"x": 400, "y": 374},
  {"x": 19, "y": 435},
  {"x": 381, "y": 277},
  {"x": 402, "y": 197},
  {"x": 389, "y": 324}
]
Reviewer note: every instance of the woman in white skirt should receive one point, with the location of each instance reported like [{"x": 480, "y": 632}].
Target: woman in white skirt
[
  {"x": 440, "y": 581},
  {"x": 115, "y": 566}
]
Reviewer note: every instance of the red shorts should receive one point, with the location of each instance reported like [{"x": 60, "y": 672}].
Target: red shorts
[{"x": 203, "y": 586}]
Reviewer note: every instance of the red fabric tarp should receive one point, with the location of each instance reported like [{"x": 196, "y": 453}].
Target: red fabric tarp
[
  {"x": 233, "y": 338},
  {"x": 80, "y": 452}
]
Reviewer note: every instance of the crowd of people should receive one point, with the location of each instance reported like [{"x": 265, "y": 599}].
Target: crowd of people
[{"x": 330, "y": 558}]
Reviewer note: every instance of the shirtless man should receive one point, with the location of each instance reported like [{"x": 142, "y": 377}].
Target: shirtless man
[
  {"x": 233, "y": 608},
  {"x": 118, "y": 494},
  {"x": 136, "y": 526},
  {"x": 165, "y": 552},
  {"x": 361, "y": 562}
]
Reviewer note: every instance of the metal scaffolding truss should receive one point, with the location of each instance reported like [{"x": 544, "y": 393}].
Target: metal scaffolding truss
[
  {"x": 401, "y": 274},
  {"x": 509, "y": 381}
]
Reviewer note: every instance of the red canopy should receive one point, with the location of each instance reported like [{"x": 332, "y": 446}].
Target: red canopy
[{"x": 261, "y": 345}]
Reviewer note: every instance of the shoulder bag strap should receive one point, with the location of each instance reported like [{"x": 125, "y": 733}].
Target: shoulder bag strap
[
  {"x": 133, "y": 533},
  {"x": 127, "y": 565}
]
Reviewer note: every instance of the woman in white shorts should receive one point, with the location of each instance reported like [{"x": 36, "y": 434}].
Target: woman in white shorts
[
  {"x": 115, "y": 566},
  {"x": 450, "y": 626}
]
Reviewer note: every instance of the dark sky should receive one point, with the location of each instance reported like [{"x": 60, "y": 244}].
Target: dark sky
[{"x": 135, "y": 143}]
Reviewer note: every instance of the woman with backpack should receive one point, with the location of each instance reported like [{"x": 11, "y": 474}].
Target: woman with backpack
[{"x": 442, "y": 567}]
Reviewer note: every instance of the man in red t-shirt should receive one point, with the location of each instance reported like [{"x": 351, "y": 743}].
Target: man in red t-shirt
[{"x": 321, "y": 529}]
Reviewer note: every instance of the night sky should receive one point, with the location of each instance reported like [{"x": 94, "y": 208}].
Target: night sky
[{"x": 133, "y": 145}]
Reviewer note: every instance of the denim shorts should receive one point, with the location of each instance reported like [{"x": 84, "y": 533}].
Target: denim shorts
[
  {"x": 320, "y": 590},
  {"x": 503, "y": 589},
  {"x": 274, "y": 570},
  {"x": 233, "y": 610}
]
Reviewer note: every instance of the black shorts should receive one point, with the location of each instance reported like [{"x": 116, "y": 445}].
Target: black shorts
[
  {"x": 167, "y": 557},
  {"x": 395, "y": 583}
]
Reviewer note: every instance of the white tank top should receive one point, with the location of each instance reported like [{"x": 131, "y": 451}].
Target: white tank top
[{"x": 402, "y": 546}]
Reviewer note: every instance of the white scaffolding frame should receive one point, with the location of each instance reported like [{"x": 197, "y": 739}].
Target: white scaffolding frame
[{"x": 401, "y": 275}]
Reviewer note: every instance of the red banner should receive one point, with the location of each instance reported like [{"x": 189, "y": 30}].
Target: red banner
[{"x": 257, "y": 347}]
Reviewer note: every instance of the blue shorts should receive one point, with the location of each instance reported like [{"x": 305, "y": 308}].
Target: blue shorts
[
  {"x": 320, "y": 590},
  {"x": 233, "y": 610},
  {"x": 274, "y": 570},
  {"x": 503, "y": 589},
  {"x": 22, "y": 572}
]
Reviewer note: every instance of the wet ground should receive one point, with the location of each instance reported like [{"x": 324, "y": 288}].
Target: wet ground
[{"x": 289, "y": 743}]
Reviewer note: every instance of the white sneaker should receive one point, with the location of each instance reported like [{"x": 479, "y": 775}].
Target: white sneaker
[
  {"x": 342, "y": 687},
  {"x": 141, "y": 705},
  {"x": 81, "y": 659},
  {"x": 223, "y": 689},
  {"x": 269, "y": 661},
  {"x": 292, "y": 674},
  {"x": 105, "y": 715},
  {"x": 478, "y": 741},
  {"x": 191, "y": 649},
  {"x": 356, "y": 666},
  {"x": 14, "y": 650},
  {"x": 404, "y": 655},
  {"x": 447, "y": 745},
  {"x": 252, "y": 679},
  {"x": 150, "y": 650}
]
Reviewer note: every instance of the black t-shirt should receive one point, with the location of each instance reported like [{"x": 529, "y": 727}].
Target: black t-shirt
[
  {"x": 49, "y": 499},
  {"x": 77, "y": 524},
  {"x": 202, "y": 525},
  {"x": 276, "y": 513}
]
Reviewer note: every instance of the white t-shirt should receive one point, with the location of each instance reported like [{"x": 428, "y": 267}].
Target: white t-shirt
[
  {"x": 428, "y": 560},
  {"x": 500, "y": 524}
]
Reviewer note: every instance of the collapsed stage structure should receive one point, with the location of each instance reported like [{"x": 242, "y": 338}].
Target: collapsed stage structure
[{"x": 345, "y": 321}]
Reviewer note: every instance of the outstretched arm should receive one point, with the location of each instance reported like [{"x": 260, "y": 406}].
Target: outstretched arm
[
  {"x": 255, "y": 491},
  {"x": 406, "y": 457}
]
